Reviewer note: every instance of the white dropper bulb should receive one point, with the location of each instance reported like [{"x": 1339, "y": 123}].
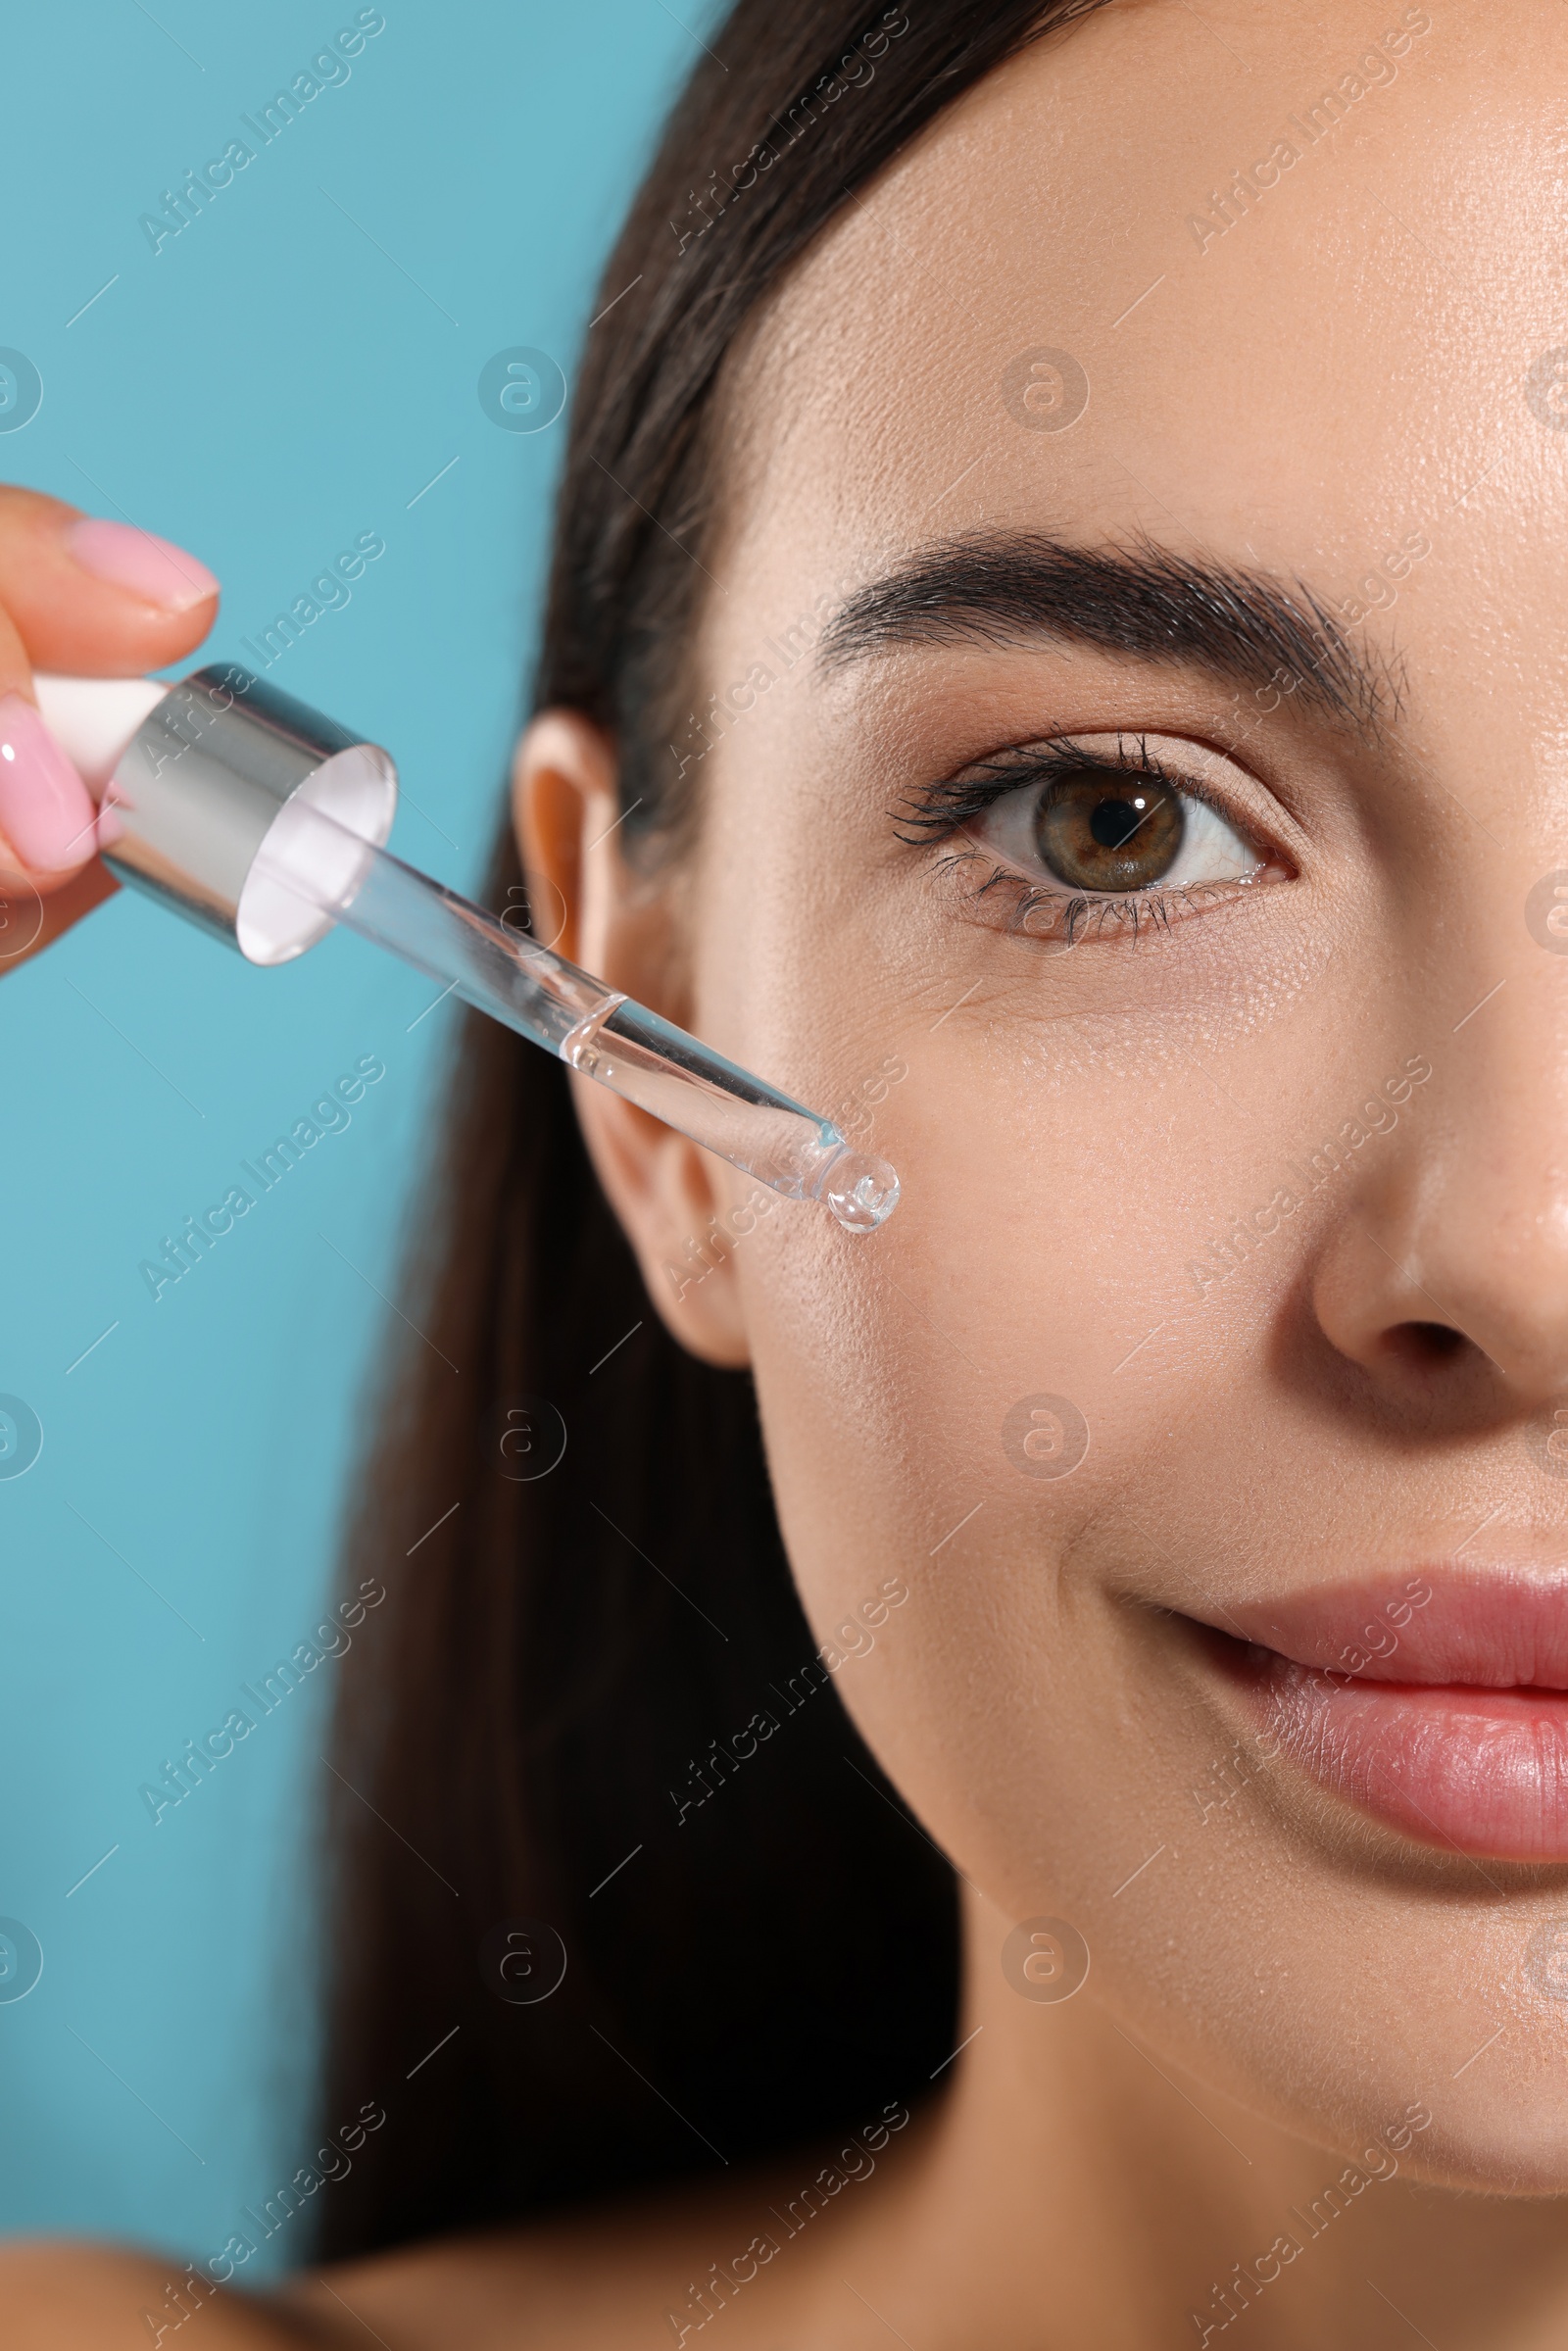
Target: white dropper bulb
[{"x": 93, "y": 719}]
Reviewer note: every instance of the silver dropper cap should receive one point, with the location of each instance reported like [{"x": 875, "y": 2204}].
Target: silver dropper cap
[{"x": 209, "y": 774}]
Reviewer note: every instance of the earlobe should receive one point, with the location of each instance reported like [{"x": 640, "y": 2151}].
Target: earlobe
[
  {"x": 674, "y": 1205},
  {"x": 672, "y": 1199}
]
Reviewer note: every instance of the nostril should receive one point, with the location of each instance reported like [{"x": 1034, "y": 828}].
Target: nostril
[{"x": 1423, "y": 1344}]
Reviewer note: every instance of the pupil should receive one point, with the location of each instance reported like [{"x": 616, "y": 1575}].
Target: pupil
[
  {"x": 1108, "y": 837},
  {"x": 1114, "y": 822}
]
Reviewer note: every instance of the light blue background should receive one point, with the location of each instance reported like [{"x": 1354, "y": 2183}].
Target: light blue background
[{"x": 275, "y": 381}]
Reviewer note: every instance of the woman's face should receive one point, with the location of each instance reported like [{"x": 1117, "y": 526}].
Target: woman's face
[{"x": 1160, "y": 852}]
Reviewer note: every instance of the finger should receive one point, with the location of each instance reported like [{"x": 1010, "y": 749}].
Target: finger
[
  {"x": 29, "y": 921},
  {"x": 97, "y": 598},
  {"x": 48, "y": 823},
  {"x": 76, "y": 593}
]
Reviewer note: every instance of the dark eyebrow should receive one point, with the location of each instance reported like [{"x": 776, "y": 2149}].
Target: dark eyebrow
[{"x": 1145, "y": 600}]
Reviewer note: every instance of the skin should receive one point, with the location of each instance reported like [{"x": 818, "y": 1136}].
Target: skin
[{"x": 1277, "y": 1980}]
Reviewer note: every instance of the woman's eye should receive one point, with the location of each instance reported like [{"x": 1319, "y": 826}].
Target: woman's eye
[{"x": 1106, "y": 833}]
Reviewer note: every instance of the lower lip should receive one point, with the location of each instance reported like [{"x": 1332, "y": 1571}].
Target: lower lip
[{"x": 1477, "y": 1770}]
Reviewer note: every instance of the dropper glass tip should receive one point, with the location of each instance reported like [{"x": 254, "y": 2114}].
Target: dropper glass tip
[{"x": 863, "y": 1192}]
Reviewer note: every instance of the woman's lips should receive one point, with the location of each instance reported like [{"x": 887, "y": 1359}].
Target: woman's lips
[{"x": 1436, "y": 1700}]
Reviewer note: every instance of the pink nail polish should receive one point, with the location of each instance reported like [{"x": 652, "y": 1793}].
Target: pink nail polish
[
  {"x": 45, "y": 811},
  {"x": 153, "y": 569}
]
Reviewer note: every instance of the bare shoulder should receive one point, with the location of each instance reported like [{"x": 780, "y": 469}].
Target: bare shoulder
[
  {"x": 757, "y": 2244},
  {"x": 60, "y": 2296}
]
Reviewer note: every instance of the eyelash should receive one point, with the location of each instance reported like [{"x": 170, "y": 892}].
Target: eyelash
[{"x": 935, "y": 812}]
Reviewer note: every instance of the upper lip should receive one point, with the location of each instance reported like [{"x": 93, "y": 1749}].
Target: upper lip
[{"x": 1484, "y": 1627}]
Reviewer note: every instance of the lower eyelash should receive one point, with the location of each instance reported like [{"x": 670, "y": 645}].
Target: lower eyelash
[{"x": 1073, "y": 911}]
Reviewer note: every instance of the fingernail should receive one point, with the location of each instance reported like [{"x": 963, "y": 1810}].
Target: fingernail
[
  {"x": 46, "y": 813},
  {"x": 165, "y": 574}
]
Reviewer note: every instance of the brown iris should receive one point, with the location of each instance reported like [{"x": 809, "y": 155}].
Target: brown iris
[{"x": 1109, "y": 832}]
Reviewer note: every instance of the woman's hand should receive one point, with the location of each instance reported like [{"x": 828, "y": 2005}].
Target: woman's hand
[{"x": 92, "y": 599}]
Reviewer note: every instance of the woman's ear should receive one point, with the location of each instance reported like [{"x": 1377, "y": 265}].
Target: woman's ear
[{"x": 585, "y": 901}]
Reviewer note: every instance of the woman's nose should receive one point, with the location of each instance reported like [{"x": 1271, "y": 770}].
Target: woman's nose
[{"x": 1457, "y": 1250}]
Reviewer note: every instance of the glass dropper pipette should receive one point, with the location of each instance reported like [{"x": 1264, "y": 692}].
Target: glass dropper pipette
[{"x": 593, "y": 1029}]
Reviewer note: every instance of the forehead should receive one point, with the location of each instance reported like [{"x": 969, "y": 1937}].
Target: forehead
[{"x": 1293, "y": 275}]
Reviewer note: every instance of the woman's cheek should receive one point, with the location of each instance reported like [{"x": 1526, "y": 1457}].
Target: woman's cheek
[
  {"x": 1022, "y": 1354},
  {"x": 891, "y": 1368}
]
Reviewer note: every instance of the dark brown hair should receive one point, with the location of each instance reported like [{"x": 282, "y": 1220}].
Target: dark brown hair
[{"x": 557, "y": 1655}]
